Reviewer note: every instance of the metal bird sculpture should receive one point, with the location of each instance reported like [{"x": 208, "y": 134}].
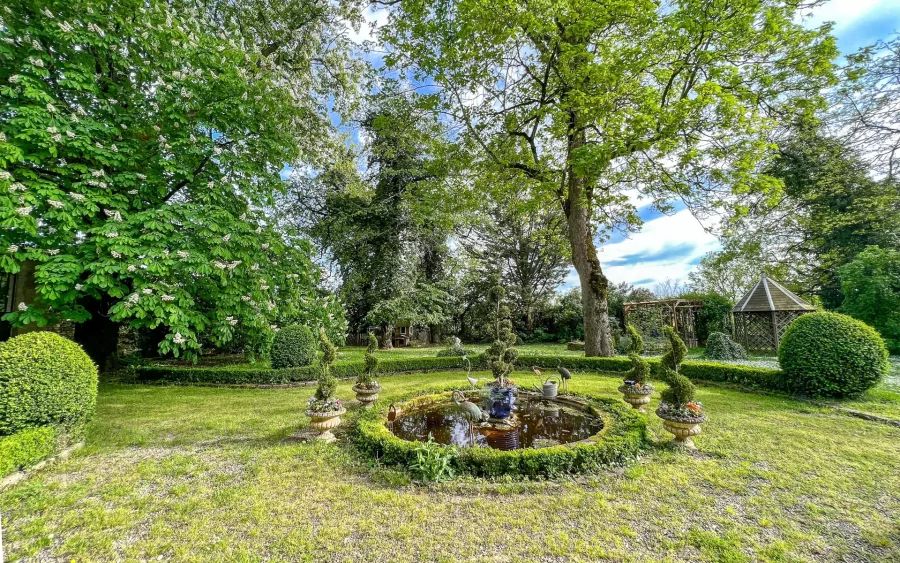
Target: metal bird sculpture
[
  {"x": 470, "y": 411},
  {"x": 473, "y": 381},
  {"x": 565, "y": 374},
  {"x": 536, "y": 371},
  {"x": 392, "y": 416}
]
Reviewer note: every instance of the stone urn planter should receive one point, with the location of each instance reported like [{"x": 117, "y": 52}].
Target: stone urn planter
[
  {"x": 324, "y": 422},
  {"x": 367, "y": 395},
  {"x": 682, "y": 427},
  {"x": 636, "y": 396}
]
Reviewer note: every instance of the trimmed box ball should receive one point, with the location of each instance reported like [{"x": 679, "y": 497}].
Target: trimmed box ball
[
  {"x": 294, "y": 346},
  {"x": 831, "y": 355},
  {"x": 45, "y": 379}
]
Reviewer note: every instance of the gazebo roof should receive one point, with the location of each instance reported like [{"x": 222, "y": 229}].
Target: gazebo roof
[{"x": 769, "y": 295}]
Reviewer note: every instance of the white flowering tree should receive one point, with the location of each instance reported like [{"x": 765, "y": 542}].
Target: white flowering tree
[{"x": 139, "y": 148}]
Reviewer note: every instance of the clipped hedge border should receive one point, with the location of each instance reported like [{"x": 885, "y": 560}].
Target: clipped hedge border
[
  {"x": 26, "y": 448},
  {"x": 623, "y": 437},
  {"x": 268, "y": 376},
  {"x": 747, "y": 376}
]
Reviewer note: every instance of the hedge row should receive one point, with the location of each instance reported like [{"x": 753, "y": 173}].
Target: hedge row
[
  {"x": 26, "y": 448},
  {"x": 267, "y": 376},
  {"x": 623, "y": 437},
  {"x": 749, "y": 376}
]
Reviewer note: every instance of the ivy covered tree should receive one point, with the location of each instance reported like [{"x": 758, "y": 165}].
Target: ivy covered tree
[
  {"x": 139, "y": 147},
  {"x": 388, "y": 243},
  {"x": 591, "y": 102}
]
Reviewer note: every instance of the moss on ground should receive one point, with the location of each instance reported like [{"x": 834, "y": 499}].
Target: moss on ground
[{"x": 203, "y": 474}]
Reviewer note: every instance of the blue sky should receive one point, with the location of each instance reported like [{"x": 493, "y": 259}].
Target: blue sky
[{"x": 669, "y": 246}]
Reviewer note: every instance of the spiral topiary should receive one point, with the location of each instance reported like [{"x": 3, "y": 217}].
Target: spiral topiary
[
  {"x": 831, "y": 355},
  {"x": 45, "y": 379},
  {"x": 720, "y": 346},
  {"x": 640, "y": 370},
  {"x": 368, "y": 376},
  {"x": 294, "y": 346},
  {"x": 501, "y": 356},
  {"x": 327, "y": 382},
  {"x": 635, "y": 340},
  {"x": 681, "y": 390},
  {"x": 676, "y": 351}
]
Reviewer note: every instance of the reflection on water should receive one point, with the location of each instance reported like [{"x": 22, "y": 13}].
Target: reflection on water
[{"x": 534, "y": 422}]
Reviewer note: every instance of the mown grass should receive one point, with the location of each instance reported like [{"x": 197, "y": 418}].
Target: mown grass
[{"x": 204, "y": 474}]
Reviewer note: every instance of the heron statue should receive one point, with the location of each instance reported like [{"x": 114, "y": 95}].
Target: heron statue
[
  {"x": 536, "y": 371},
  {"x": 391, "y": 416},
  {"x": 565, "y": 374},
  {"x": 473, "y": 381},
  {"x": 470, "y": 411}
]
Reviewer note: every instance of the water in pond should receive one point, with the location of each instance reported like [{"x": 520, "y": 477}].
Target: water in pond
[{"x": 534, "y": 423}]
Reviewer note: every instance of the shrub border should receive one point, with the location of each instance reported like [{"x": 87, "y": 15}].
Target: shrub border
[
  {"x": 623, "y": 437},
  {"x": 746, "y": 376},
  {"x": 26, "y": 448},
  {"x": 268, "y": 376}
]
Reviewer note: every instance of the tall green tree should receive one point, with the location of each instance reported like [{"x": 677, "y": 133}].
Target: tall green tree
[
  {"x": 871, "y": 287},
  {"x": 589, "y": 99},
  {"x": 376, "y": 225},
  {"x": 866, "y": 109},
  {"x": 139, "y": 147},
  {"x": 830, "y": 210},
  {"x": 526, "y": 243}
]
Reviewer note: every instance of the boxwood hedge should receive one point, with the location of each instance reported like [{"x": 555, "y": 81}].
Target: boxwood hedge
[
  {"x": 748, "y": 376},
  {"x": 45, "y": 379},
  {"x": 266, "y": 376},
  {"x": 832, "y": 355},
  {"x": 25, "y": 448},
  {"x": 623, "y": 437}
]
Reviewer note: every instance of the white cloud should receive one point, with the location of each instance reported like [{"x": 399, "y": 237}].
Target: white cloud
[
  {"x": 373, "y": 19},
  {"x": 655, "y": 237},
  {"x": 845, "y": 12}
]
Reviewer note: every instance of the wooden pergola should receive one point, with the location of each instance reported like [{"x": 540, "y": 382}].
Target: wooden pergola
[
  {"x": 764, "y": 313},
  {"x": 677, "y": 313}
]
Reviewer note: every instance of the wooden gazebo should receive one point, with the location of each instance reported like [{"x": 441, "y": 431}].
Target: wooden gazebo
[{"x": 762, "y": 315}]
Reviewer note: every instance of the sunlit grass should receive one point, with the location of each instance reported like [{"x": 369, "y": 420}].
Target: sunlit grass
[{"x": 204, "y": 474}]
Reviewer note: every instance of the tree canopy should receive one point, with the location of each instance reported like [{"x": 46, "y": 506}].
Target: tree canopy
[
  {"x": 141, "y": 144},
  {"x": 590, "y": 101}
]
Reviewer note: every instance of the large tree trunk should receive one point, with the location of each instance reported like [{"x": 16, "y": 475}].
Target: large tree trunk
[
  {"x": 99, "y": 336},
  {"x": 594, "y": 285},
  {"x": 387, "y": 337}
]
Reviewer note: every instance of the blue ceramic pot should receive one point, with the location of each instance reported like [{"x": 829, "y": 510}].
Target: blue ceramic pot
[{"x": 502, "y": 400}]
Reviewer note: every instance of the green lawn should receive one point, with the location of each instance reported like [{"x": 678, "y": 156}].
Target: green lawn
[{"x": 203, "y": 474}]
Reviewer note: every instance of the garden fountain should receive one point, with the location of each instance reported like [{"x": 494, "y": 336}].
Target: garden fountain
[{"x": 533, "y": 421}]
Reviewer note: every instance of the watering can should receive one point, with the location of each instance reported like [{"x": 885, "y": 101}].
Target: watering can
[{"x": 550, "y": 387}]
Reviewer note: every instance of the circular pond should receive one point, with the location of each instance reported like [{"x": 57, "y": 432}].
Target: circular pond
[{"x": 534, "y": 423}]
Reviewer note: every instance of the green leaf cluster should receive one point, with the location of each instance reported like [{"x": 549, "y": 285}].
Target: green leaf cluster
[{"x": 141, "y": 146}]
